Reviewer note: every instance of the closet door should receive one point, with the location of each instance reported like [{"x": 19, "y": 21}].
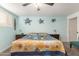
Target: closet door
[{"x": 73, "y": 29}]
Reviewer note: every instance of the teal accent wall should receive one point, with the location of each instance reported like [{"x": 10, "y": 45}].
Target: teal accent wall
[{"x": 60, "y": 25}]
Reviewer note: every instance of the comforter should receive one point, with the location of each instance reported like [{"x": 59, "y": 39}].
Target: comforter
[{"x": 21, "y": 45}]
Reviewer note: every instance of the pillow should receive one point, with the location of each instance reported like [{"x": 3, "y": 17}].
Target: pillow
[
  {"x": 43, "y": 36},
  {"x": 35, "y": 36},
  {"x": 28, "y": 36},
  {"x": 50, "y": 37}
]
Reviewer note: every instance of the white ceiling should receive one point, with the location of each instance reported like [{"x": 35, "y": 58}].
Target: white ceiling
[{"x": 45, "y": 10}]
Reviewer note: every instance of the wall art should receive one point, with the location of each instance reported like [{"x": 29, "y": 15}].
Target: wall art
[
  {"x": 41, "y": 21},
  {"x": 53, "y": 20},
  {"x": 28, "y": 21}
]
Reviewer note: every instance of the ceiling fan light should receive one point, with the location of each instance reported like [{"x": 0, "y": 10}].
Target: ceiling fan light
[
  {"x": 37, "y": 5},
  {"x": 38, "y": 9}
]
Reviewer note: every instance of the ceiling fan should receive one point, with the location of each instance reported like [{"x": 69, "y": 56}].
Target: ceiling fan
[{"x": 38, "y": 9}]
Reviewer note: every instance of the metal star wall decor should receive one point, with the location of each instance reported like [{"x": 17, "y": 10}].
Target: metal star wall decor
[
  {"x": 28, "y": 21},
  {"x": 53, "y": 20},
  {"x": 41, "y": 21}
]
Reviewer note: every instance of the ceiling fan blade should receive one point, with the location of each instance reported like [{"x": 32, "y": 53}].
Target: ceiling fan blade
[
  {"x": 26, "y": 4},
  {"x": 50, "y": 4}
]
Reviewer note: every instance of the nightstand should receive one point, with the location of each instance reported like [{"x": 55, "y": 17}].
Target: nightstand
[
  {"x": 57, "y": 36},
  {"x": 19, "y": 36}
]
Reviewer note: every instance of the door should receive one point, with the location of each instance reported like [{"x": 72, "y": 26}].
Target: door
[{"x": 73, "y": 29}]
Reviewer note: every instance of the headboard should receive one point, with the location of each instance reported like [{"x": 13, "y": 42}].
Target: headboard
[{"x": 53, "y": 35}]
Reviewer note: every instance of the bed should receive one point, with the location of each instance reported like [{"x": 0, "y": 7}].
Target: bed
[{"x": 37, "y": 45}]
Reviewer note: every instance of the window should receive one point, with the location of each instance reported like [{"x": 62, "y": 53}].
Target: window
[
  {"x": 3, "y": 19},
  {"x": 6, "y": 19}
]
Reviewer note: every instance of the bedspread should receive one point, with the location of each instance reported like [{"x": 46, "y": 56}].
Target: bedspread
[{"x": 37, "y": 45}]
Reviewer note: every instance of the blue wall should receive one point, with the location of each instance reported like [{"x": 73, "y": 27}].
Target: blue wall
[
  {"x": 7, "y": 33},
  {"x": 60, "y": 25}
]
